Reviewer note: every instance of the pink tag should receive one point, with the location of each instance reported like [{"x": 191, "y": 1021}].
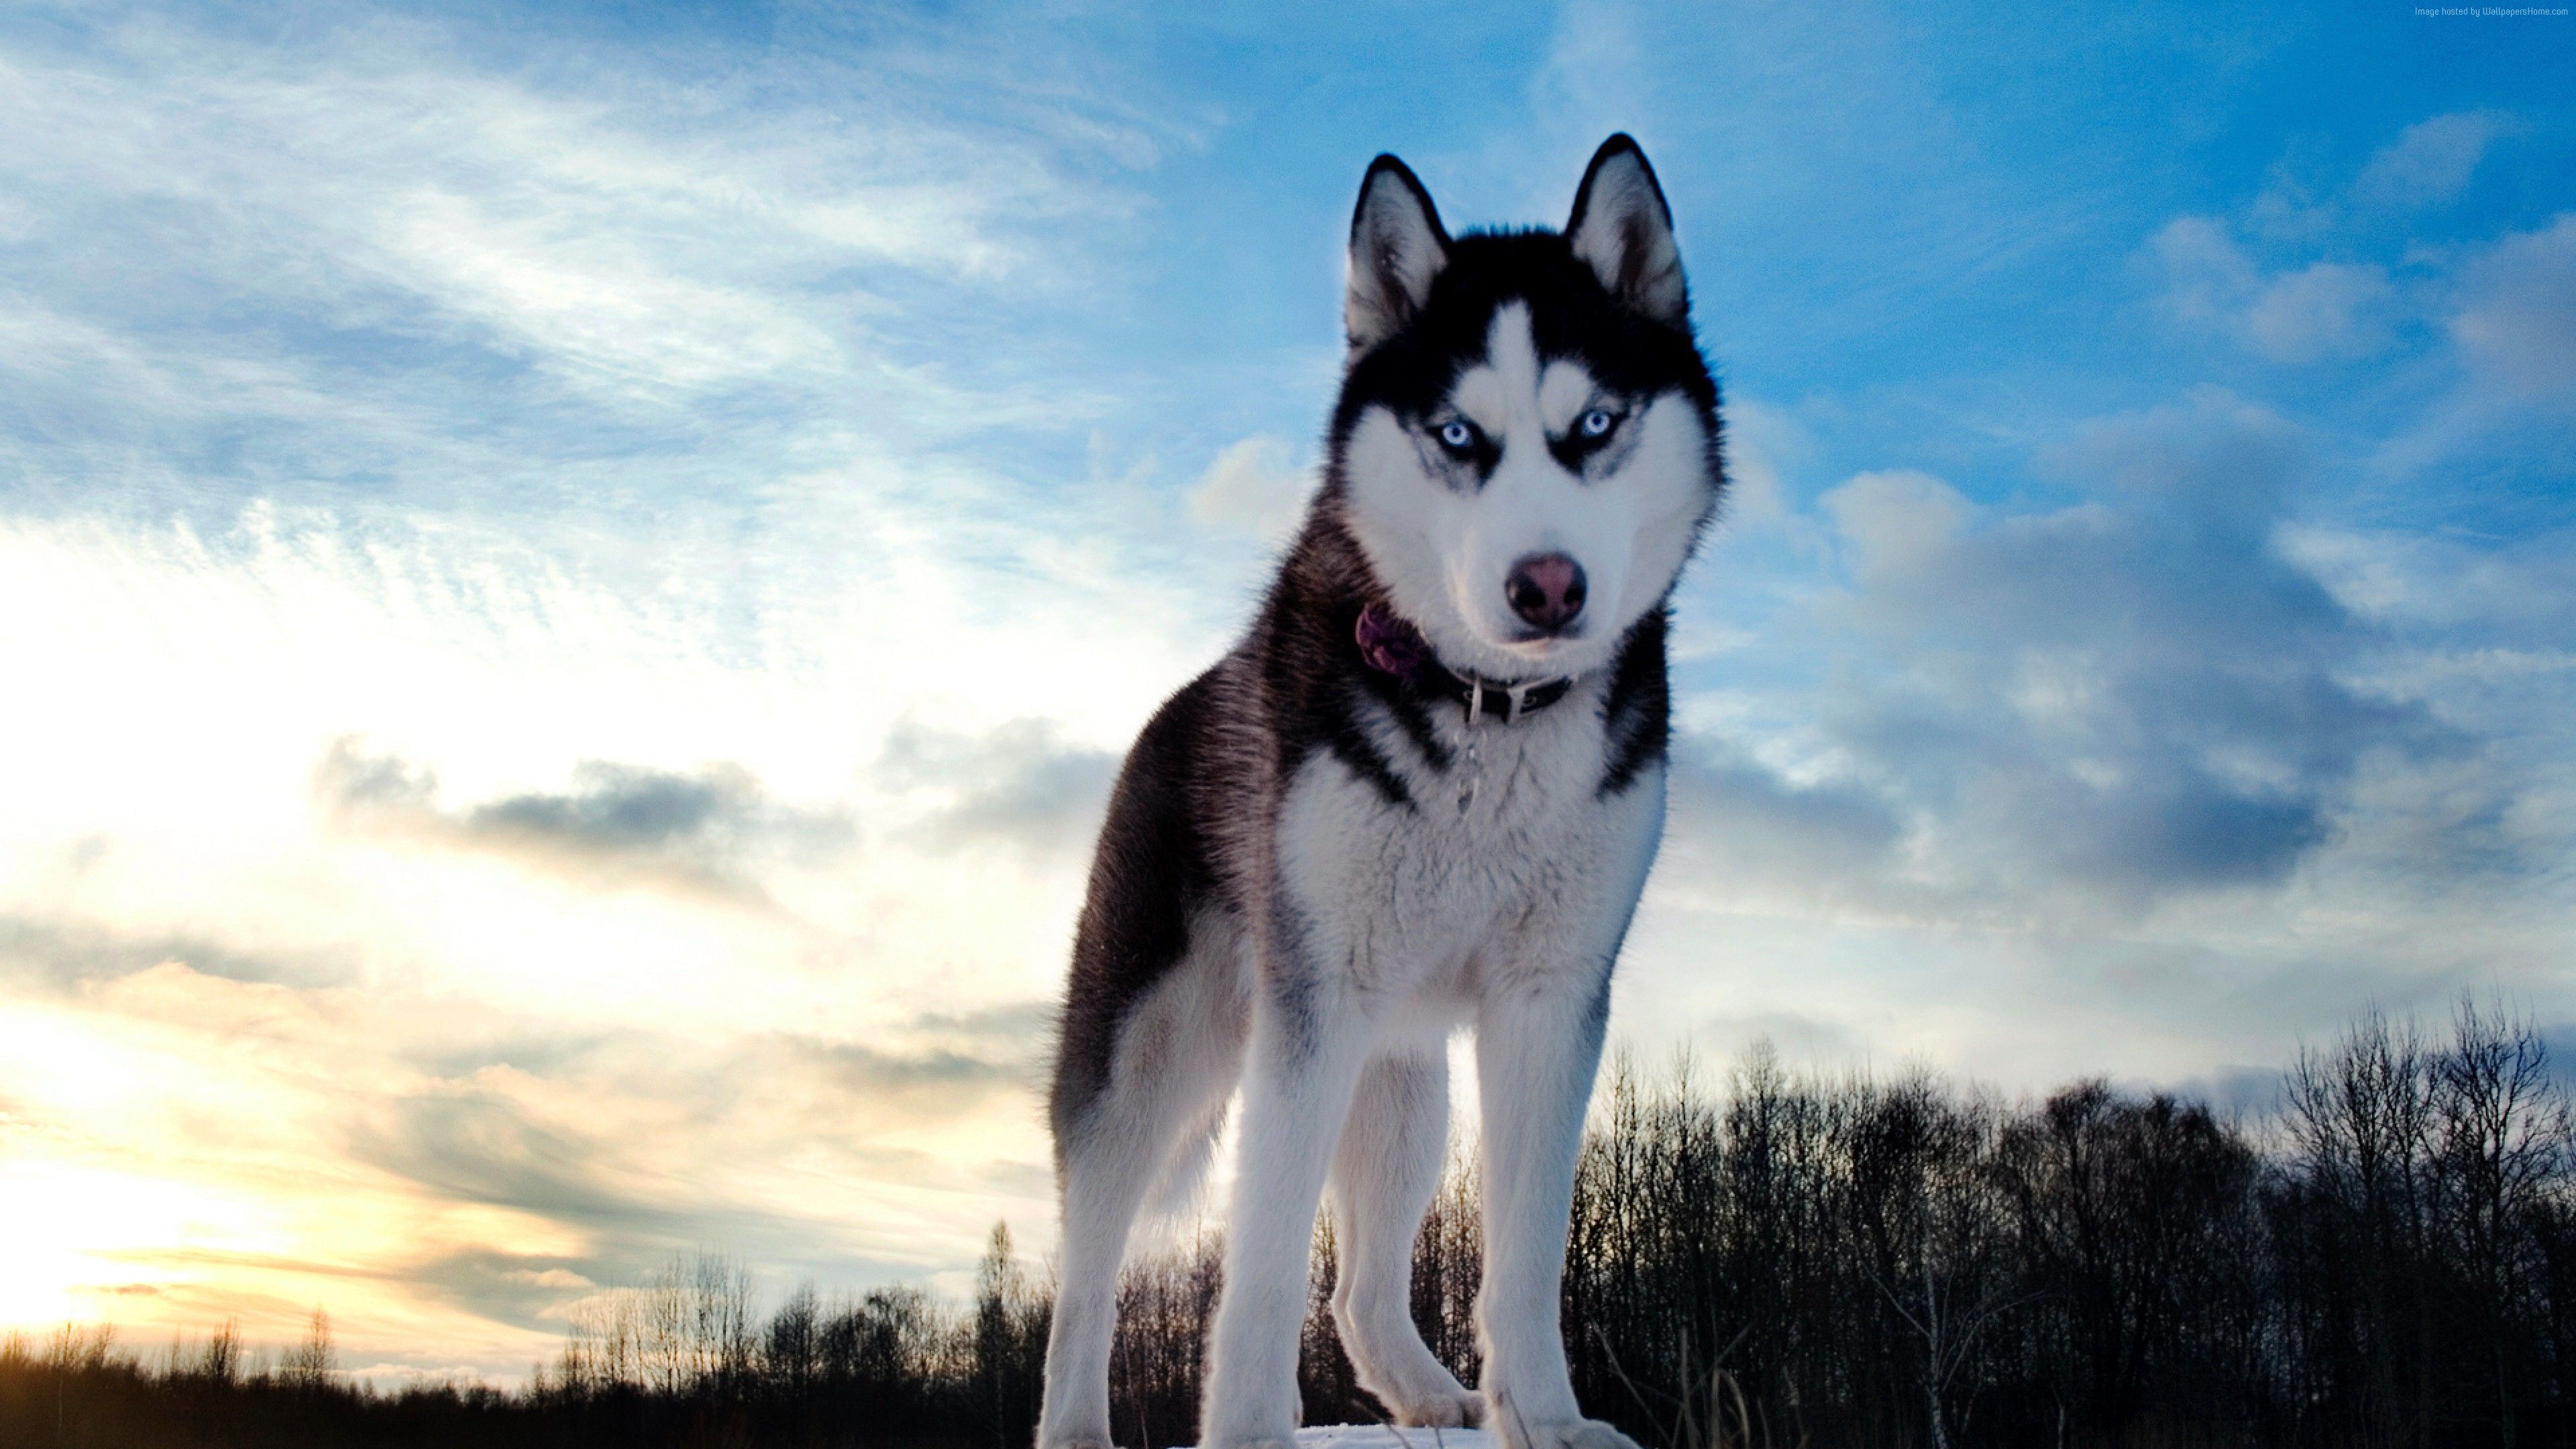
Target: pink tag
[{"x": 1390, "y": 645}]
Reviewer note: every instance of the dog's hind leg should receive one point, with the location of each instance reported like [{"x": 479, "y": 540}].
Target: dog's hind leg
[
  {"x": 1105, "y": 1183},
  {"x": 1178, "y": 1062},
  {"x": 1105, "y": 1176},
  {"x": 1384, "y": 1173}
]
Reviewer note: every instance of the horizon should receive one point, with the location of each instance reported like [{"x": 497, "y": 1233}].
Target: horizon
[
  {"x": 1184, "y": 1238},
  {"x": 579, "y": 579}
]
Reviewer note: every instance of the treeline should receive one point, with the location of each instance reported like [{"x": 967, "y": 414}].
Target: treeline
[
  {"x": 75, "y": 1386},
  {"x": 2386, "y": 1259},
  {"x": 2390, "y": 1259}
]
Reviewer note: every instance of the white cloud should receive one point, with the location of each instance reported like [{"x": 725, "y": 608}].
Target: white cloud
[
  {"x": 2430, "y": 162},
  {"x": 2516, "y": 322},
  {"x": 2207, "y": 275},
  {"x": 2327, "y": 310},
  {"x": 1893, "y": 522},
  {"x": 1254, "y": 487},
  {"x": 2070, "y": 717},
  {"x": 2147, "y": 782}
]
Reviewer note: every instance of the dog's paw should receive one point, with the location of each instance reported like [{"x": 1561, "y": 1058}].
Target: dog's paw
[
  {"x": 1571, "y": 1434},
  {"x": 1442, "y": 1409},
  {"x": 1077, "y": 1441}
]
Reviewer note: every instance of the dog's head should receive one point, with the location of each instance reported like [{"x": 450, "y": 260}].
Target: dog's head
[{"x": 1526, "y": 442}]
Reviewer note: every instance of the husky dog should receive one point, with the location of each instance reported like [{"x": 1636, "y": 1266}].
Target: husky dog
[{"x": 1422, "y": 793}]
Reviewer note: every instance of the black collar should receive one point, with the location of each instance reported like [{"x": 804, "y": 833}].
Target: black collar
[
  {"x": 1483, "y": 696},
  {"x": 1391, "y": 645}
]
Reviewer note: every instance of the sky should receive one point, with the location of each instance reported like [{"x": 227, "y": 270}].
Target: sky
[{"x": 573, "y": 578}]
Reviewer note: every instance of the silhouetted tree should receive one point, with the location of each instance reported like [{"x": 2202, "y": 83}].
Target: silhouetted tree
[
  {"x": 2390, "y": 1260},
  {"x": 309, "y": 1364}
]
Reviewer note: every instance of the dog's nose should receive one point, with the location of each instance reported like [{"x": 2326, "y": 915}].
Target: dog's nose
[{"x": 1546, "y": 589}]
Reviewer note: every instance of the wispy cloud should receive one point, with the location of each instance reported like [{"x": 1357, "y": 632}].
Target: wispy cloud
[
  {"x": 616, "y": 824},
  {"x": 356, "y": 255}
]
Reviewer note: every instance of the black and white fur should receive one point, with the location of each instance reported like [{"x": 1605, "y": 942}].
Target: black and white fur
[{"x": 1315, "y": 869}]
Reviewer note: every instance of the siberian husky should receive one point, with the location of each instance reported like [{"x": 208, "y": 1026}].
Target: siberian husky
[{"x": 1422, "y": 793}]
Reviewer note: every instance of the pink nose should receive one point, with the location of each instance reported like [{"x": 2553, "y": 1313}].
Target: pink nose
[{"x": 1546, "y": 589}]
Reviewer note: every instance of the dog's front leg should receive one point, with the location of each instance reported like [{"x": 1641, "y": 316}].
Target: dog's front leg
[
  {"x": 1309, "y": 1040},
  {"x": 1538, "y": 1043}
]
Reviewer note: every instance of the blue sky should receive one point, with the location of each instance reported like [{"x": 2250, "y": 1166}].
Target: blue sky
[{"x": 579, "y": 573}]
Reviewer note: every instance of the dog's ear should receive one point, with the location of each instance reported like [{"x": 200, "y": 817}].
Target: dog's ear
[
  {"x": 1623, "y": 229},
  {"x": 1397, "y": 247}
]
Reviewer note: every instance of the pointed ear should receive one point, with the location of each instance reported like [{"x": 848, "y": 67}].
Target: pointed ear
[
  {"x": 1397, "y": 247},
  {"x": 1623, "y": 229}
]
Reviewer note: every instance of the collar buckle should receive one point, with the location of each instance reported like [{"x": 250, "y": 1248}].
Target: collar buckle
[{"x": 1518, "y": 699}]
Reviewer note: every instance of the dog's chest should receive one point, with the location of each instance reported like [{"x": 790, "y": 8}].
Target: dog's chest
[{"x": 1509, "y": 839}]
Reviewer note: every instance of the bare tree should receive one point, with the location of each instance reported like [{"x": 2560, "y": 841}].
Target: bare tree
[{"x": 309, "y": 1364}]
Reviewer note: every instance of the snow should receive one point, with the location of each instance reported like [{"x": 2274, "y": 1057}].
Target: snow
[{"x": 1386, "y": 1436}]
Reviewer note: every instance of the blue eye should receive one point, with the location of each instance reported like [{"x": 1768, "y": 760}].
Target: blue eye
[
  {"x": 1597, "y": 423},
  {"x": 1457, "y": 436}
]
